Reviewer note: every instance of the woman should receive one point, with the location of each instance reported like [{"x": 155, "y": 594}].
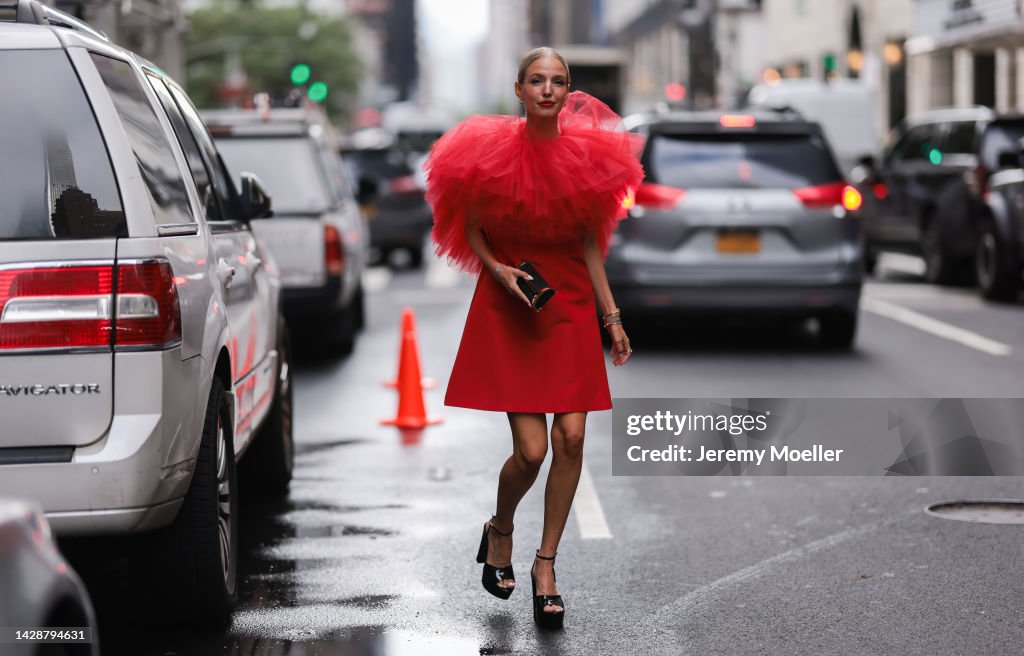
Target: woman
[{"x": 549, "y": 190}]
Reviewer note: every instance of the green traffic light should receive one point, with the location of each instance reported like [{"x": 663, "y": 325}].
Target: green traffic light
[
  {"x": 300, "y": 74},
  {"x": 318, "y": 92},
  {"x": 935, "y": 156}
]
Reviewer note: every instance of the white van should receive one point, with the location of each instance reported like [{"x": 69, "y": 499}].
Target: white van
[{"x": 844, "y": 108}]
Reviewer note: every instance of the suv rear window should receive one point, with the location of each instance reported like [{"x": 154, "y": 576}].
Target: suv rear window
[
  {"x": 288, "y": 168},
  {"x": 56, "y": 180},
  {"x": 740, "y": 161}
]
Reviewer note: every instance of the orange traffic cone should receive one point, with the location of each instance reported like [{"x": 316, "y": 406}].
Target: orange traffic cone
[
  {"x": 412, "y": 412},
  {"x": 408, "y": 326}
]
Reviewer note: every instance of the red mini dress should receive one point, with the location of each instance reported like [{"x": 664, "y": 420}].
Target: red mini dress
[{"x": 537, "y": 200}]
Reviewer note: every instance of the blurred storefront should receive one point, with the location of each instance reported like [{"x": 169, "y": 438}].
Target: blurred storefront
[{"x": 967, "y": 52}]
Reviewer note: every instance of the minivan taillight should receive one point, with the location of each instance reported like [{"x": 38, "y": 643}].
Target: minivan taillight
[
  {"x": 830, "y": 195},
  {"x": 334, "y": 254},
  {"x": 405, "y": 186},
  {"x": 77, "y": 306},
  {"x": 656, "y": 196}
]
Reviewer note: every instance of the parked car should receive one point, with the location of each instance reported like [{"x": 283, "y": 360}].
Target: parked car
[
  {"x": 38, "y": 588},
  {"x": 391, "y": 189},
  {"x": 926, "y": 196},
  {"x": 843, "y": 108},
  {"x": 318, "y": 234},
  {"x": 740, "y": 214},
  {"x": 999, "y": 260},
  {"x": 141, "y": 339}
]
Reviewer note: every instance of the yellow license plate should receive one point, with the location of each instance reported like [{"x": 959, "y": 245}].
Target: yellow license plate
[{"x": 739, "y": 242}]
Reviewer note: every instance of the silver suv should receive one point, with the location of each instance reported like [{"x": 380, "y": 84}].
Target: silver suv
[
  {"x": 141, "y": 345},
  {"x": 318, "y": 235}
]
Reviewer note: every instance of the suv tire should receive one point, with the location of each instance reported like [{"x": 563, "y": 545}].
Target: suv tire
[
  {"x": 269, "y": 462},
  {"x": 940, "y": 266},
  {"x": 870, "y": 258},
  {"x": 341, "y": 332},
  {"x": 997, "y": 270},
  {"x": 200, "y": 549},
  {"x": 837, "y": 330}
]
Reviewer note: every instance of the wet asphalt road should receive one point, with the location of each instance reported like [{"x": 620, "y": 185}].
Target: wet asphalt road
[{"x": 373, "y": 551}]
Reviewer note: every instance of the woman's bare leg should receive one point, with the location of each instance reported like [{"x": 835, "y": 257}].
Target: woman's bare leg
[
  {"x": 567, "y": 433},
  {"x": 529, "y": 448}
]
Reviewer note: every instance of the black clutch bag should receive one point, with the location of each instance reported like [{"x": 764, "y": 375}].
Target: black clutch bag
[{"x": 537, "y": 290}]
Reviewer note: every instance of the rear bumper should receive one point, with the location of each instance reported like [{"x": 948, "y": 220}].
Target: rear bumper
[
  {"x": 759, "y": 299},
  {"x": 135, "y": 477},
  {"x": 312, "y": 302}
]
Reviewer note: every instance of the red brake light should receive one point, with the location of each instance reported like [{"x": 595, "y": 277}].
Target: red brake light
[
  {"x": 830, "y": 195},
  {"x": 737, "y": 121},
  {"x": 66, "y": 307},
  {"x": 334, "y": 255},
  {"x": 880, "y": 190},
  {"x": 658, "y": 196},
  {"x": 56, "y": 307},
  {"x": 148, "y": 313},
  {"x": 405, "y": 185}
]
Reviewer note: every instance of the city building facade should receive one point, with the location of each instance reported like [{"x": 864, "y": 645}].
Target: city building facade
[
  {"x": 967, "y": 52},
  {"x": 860, "y": 39}
]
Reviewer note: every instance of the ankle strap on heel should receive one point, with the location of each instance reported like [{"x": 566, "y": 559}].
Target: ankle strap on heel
[
  {"x": 546, "y": 557},
  {"x": 490, "y": 523}
]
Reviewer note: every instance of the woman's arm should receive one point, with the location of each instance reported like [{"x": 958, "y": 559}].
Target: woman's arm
[
  {"x": 603, "y": 296},
  {"x": 505, "y": 275}
]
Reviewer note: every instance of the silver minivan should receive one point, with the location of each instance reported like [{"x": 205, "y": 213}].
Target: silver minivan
[
  {"x": 740, "y": 214},
  {"x": 141, "y": 343}
]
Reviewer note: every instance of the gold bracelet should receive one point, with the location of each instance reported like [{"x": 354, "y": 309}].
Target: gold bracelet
[{"x": 612, "y": 323}]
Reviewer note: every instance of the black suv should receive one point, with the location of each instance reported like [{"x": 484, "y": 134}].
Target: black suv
[{"x": 926, "y": 196}]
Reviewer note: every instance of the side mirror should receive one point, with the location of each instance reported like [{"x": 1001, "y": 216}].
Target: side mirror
[
  {"x": 868, "y": 162},
  {"x": 255, "y": 201},
  {"x": 865, "y": 171},
  {"x": 367, "y": 190},
  {"x": 1009, "y": 159}
]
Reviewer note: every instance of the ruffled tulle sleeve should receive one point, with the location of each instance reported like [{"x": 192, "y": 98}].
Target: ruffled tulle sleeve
[{"x": 554, "y": 190}]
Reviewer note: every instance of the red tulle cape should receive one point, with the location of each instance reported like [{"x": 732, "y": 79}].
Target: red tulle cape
[{"x": 517, "y": 186}]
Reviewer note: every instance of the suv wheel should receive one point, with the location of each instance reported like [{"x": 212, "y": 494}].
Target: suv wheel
[
  {"x": 341, "y": 332},
  {"x": 268, "y": 464},
  {"x": 997, "y": 270},
  {"x": 837, "y": 330},
  {"x": 201, "y": 546},
  {"x": 869, "y": 258},
  {"x": 940, "y": 266}
]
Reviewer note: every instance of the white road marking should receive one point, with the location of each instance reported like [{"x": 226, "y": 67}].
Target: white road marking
[
  {"x": 587, "y": 507},
  {"x": 902, "y": 263},
  {"x": 934, "y": 326},
  {"x": 376, "y": 279},
  {"x": 692, "y": 600}
]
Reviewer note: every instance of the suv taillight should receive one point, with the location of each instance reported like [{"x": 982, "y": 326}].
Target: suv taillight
[
  {"x": 148, "y": 313},
  {"x": 405, "y": 186},
  {"x": 334, "y": 254},
  {"x": 655, "y": 196},
  {"x": 77, "y": 306},
  {"x": 829, "y": 195}
]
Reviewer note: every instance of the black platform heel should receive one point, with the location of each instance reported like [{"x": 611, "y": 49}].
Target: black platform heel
[
  {"x": 541, "y": 617},
  {"x": 492, "y": 575}
]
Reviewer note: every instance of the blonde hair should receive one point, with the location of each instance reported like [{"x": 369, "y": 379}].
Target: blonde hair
[{"x": 536, "y": 54}]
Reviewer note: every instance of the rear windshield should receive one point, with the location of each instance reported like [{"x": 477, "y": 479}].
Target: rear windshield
[
  {"x": 1000, "y": 137},
  {"x": 56, "y": 180},
  {"x": 739, "y": 161},
  {"x": 289, "y": 169},
  {"x": 378, "y": 164}
]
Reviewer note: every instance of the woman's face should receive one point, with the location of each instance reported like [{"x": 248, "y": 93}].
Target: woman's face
[{"x": 544, "y": 88}]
